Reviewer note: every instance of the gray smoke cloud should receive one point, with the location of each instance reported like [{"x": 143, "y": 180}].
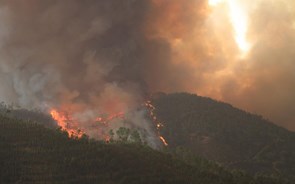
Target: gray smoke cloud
[
  {"x": 68, "y": 51},
  {"x": 203, "y": 56},
  {"x": 84, "y": 58},
  {"x": 94, "y": 57}
]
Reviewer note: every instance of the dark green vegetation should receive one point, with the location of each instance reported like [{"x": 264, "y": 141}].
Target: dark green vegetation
[
  {"x": 220, "y": 132},
  {"x": 31, "y": 153},
  {"x": 27, "y": 115}
]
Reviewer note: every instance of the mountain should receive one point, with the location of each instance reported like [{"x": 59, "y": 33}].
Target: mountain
[
  {"x": 230, "y": 136},
  {"x": 31, "y": 153}
]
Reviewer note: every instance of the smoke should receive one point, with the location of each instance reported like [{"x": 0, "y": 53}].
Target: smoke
[
  {"x": 270, "y": 64},
  {"x": 60, "y": 52},
  {"x": 203, "y": 55},
  {"x": 263, "y": 81},
  {"x": 103, "y": 57},
  {"x": 83, "y": 58}
]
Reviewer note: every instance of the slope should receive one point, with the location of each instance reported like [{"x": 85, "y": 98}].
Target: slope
[
  {"x": 31, "y": 153},
  {"x": 220, "y": 132}
]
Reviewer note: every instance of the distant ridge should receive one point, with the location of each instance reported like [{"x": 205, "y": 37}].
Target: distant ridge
[{"x": 220, "y": 132}]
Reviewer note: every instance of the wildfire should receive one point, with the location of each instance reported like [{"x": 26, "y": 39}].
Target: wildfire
[
  {"x": 65, "y": 121},
  {"x": 163, "y": 140},
  {"x": 70, "y": 125},
  {"x": 106, "y": 120},
  {"x": 159, "y": 125}
]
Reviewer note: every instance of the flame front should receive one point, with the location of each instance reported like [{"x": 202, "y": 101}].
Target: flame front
[
  {"x": 100, "y": 125},
  {"x": 163, "y": 140},
  {"x": 67, "y": 122},
  {"x": 158, "y": 124},
  {"x": 63, "y": 121}
]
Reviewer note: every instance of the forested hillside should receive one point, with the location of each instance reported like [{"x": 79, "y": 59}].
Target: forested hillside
[
  {"x": 31, "y": 153},
  {"x": 220, "y": 132}
]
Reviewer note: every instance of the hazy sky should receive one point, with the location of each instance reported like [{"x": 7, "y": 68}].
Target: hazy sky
[
  {"x": 107, "y": 56},
  {"x": 241, "y": 52}
]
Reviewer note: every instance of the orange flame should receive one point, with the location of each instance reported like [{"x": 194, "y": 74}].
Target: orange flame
[
  {"x": 158, "y": 124},
  {"x": 106, "y": 120},
  {"x": 70, "y": 125},
  {"x": 62, "y": 120},
  {"x": 163, "y": 140}
]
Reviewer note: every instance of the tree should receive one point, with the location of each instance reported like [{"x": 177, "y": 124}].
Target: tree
[
  {"x": 135, "y": 137},
  {"x": 123, "y": 134}
]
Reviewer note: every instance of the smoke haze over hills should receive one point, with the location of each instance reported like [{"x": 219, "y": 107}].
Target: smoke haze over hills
[{"x": 107, "y": 56}]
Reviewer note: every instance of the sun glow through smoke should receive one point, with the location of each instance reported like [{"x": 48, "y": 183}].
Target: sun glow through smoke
[
  {"x": 214, "y": 2},
  {"x": 239, "y": 20}
]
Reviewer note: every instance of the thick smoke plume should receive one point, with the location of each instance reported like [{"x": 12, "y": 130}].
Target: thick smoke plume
[
  {"x": 202, "y": 56},
  {"x": 83, "y": 58},
  {"x": 105, "y": 56}
]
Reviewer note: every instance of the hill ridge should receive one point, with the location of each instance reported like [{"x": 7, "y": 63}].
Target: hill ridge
[{"x": 220, "y": 132}]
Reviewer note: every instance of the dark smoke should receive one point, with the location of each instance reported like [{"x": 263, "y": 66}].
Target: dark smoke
[
  {"x": 85, "y": 58},
  {"x": 105, "y": 56},
  {"x": 62, "y": 52}
]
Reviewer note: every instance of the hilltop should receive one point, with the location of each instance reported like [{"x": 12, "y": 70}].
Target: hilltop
[{"x": 230, "y": 136}]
